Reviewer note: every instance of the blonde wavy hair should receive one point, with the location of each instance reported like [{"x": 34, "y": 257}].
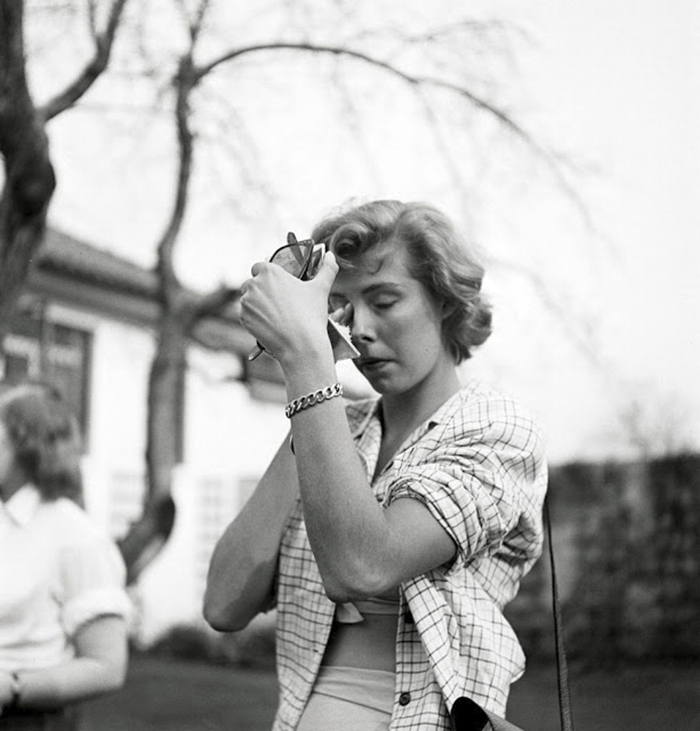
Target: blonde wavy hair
[{"x": 439, "y": 258}]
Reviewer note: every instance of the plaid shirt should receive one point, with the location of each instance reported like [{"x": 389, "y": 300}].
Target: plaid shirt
[{"x": 478, "y": 465}]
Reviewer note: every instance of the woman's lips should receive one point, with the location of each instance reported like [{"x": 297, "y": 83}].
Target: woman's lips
[{"x": 372, "y": 363}]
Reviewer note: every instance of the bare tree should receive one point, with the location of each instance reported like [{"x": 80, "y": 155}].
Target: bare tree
[
  {"x": 30, "y": 181},
  {"x": 29, "y": 175}
]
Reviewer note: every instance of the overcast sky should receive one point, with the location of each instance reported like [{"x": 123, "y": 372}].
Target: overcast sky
[{"x": 615, "y": 83}]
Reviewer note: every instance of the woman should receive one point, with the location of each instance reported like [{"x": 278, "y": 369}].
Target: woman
[
  {"x": 62, "y": 598},
  {"x": 395, "y": 533}
]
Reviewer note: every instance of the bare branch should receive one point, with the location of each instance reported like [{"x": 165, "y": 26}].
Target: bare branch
[
  {"x": 185, "y": 81},
  {"x": 200, "y": 15},
  {"x": 233, "y": 136},
  {"x": 553, "y": 163},
  {"x": 195, "y": 21},
  {"x": 92, "y": 17},
  {"x": 92, "y": 70},
  {"x": 214, "y": 303},
  {"x": 485, "y": 31},
  {"x": 441, "y": 143},
  {"x": 352, "y": 119}
]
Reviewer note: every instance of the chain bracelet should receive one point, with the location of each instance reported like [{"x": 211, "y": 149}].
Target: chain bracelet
[{"x": 311, "y": 399}]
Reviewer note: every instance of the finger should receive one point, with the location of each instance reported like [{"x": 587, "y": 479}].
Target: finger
[
  {"x": 338, "y": 314},
  {"x": 257, "y": 268},
  {"x": 330, "y": 260},
  {"x": 328, "y": 271},
  {"x": 346, "y": 319}
]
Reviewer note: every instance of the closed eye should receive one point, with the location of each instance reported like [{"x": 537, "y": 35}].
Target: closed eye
[{"x": 384, "y": 303}]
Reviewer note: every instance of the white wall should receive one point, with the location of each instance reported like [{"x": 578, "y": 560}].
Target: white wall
[{"x": 229, "y": 439}]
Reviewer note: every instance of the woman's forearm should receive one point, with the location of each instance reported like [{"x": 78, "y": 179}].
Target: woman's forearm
[
  {"x": 242, "y": 568},
  {"x": 99, "y": 667},
  {"x": 346, "y": 526},
  {"x": 70, "y": 682}
]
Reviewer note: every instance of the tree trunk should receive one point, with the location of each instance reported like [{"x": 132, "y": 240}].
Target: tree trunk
[
  {"x": 148, "y": 535},
  {"x": 29, "y": 175}
]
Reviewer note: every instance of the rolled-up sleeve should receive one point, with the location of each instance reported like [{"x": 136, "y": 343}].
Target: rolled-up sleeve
[
  {"x": 477, "y": 474},
  {"x": 93, "y": 580}
]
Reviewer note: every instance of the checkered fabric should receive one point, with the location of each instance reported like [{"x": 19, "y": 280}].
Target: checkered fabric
[{"x": 478, "y": 465}]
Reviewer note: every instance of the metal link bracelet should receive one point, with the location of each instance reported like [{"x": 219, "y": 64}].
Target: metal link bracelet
[{"x": 311, "y": 399}]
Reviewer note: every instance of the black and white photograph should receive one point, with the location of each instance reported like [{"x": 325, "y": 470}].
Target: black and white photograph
[{"x": 349, "y": 357}]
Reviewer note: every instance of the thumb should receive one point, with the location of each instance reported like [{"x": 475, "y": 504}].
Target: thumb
[{"x": 328, "y": 270}]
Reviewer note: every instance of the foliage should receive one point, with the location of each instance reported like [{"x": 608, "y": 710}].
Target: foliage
[
  {"x": 253, "y": 646},
  {"x": 626, "y": 540}
]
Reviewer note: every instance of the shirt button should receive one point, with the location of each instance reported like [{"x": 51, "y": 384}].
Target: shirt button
[
  {"x": 409, "y": 618},
  {"x": 404, "y": 699}
]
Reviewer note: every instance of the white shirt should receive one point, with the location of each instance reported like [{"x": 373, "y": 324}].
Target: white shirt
[{"x": 58, "y": 571}]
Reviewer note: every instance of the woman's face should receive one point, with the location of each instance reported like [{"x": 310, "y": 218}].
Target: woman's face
[{"x": 396, "y": 325}]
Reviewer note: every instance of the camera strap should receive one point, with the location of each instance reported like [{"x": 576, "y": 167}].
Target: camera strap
[{"x": 565, "y": 713}]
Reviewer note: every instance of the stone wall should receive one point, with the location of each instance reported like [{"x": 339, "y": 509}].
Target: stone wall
[{"x": 627, "y": 548}]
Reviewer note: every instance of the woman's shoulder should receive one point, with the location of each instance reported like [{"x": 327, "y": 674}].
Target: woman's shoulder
[
  {"x": 73, "y": 523},
  {"x": 478, "y": 394},
  {"x": 483, "y": 406}
]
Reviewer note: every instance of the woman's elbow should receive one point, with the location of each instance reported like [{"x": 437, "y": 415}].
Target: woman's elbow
[
  {"x": 348, "y": 586},
  {"x": 224, "y": 618},
  {"x": 338, "y": 594}
]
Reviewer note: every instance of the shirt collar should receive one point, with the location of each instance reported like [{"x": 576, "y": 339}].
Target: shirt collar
[
  {"x": 442, "y": 415},
  {"x": 361, "y": 425},
  {"x": 22, "y": 506}
]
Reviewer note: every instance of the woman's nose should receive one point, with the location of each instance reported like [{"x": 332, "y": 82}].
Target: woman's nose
[{"x": 362, "y": 325}]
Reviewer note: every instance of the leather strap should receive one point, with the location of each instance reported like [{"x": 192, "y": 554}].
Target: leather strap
[
  {"x": 566, "y": 718},
  {"x": 466, "y": 715}
]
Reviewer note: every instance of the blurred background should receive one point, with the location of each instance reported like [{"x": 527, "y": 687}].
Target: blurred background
[{"x": 154, "y": 150}]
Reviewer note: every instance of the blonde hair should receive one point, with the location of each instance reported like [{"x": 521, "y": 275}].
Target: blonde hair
[{"x": 439, "y": 258}]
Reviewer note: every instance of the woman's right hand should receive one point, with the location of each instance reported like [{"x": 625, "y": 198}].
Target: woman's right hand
[{"x": 284, "y": 314}]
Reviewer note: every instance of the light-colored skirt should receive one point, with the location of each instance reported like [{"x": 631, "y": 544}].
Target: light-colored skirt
[{"x": 349, "y": 699}]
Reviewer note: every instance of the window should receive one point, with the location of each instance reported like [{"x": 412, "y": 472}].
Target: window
[{"x": 39, "y": 349}]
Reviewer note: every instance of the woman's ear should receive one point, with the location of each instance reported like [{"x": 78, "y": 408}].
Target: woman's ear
[{"x": 448, "y": 308}]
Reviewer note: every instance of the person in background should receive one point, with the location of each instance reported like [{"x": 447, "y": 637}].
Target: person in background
[
  {"x": 63, "y": 604},
  {"x": 393, "y": 530}
]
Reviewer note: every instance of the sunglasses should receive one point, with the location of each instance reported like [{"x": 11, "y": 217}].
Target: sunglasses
[{"x": 301, "y": 259}]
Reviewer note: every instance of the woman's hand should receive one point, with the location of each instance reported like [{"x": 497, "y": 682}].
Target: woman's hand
[
  {"x": 286, "y": 315},
  {"x": 342, "y": 315}
]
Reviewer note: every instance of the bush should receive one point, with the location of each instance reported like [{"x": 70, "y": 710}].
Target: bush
[
  {"x": 253, "y": 646},
  {"x": 185, "y": 642}
]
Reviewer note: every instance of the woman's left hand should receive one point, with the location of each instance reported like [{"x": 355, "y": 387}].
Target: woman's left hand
[{"x": 284, "y": 314}]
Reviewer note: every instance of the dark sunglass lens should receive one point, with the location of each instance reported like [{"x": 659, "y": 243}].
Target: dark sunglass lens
[
  {"x": 314, "y": 262},
  {"x": 293, "y": 258}
]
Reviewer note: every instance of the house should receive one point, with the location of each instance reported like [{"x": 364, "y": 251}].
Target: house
[{"x": 87, "y": 321}]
